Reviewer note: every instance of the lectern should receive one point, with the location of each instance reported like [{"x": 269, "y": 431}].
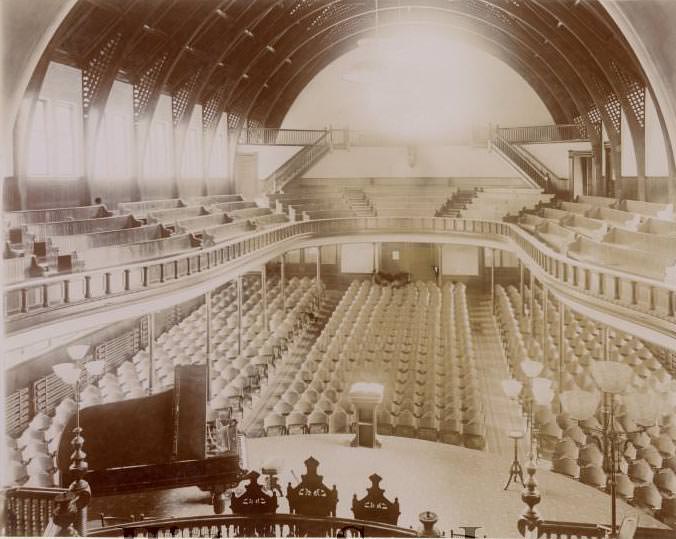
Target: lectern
[{"x": 366, "y": 397}]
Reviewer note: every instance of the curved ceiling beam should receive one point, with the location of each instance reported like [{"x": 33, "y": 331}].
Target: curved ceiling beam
[
  {"x": 495, "y": 49},
  {"x": 531, "y": 52}
]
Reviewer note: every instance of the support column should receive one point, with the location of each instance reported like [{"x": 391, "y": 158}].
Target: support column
[
  {"x": 282, "y": 281},
  {"x": 531, "y": 303},
  {"x": 441, "y": 265},
  {"x": 264, "y": 289},
  {"x": 376, "y": 257},
  {"x": 562, "y": 325},
  {"x": 545, "y": 304},
  {"x": 521, "y": 288},
  {"x": 151, "y": 352},
  {"x": 493, "y": 251},
  {"x": 318, "y": 273},
  {"x": 207, "y": 303},
  {"x": 606, "y": 343},
  {"x": 239, "y": 314}
]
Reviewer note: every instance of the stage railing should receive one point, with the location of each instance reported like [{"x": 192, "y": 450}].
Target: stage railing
[
  {"x": 41, "y": 295},
  {"x": 541, "y": 133},
  {"x": 28, "y": 510},
  {"x": 550, "y": 529},
  {"x": 264, "y": 525}
]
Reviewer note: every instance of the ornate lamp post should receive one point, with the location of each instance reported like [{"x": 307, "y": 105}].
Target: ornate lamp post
[
  {"x": 70, "y": 373},
  {"x": 538, "y": 391},
  {"x": 613, "y": 379}
]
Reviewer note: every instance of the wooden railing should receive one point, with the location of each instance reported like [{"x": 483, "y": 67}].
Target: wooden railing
[
  {"x": 298, "y": 164},
  {"x": 28, "y": 509},
  {"x": 550, "y": 529},
  {"x": 541, "y": 133},
  {"x": 40, "y": 295},
  {"x": 520, "y": 161},
  {"x": 279, "y": 137},
  {"x": 265, "y": 525}
]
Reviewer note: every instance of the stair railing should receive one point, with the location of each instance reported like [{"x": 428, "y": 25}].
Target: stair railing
[
  {"x": 279, "y": 137},
  {"x": 298, "y": 164},
  {"x": 541, "y": 133},
  {"x": 519, "y": 160}
]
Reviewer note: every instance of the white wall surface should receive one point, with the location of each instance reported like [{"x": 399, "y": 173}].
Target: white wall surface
[
  {"x": 356, "y": 258},
  {"x": 427, "y": 86},
  {"x": 555, "y": 155},
  {"x": 393, "y": 162},
  {"x": 270, "y": 158},
  {"x": 460, "y": 260}
]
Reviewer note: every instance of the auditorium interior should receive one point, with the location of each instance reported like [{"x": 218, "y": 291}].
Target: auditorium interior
[{"x": 339, "y": 268}]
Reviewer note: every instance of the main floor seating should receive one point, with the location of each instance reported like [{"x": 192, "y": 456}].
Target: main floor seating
[
  {"x": 648, "y": 460},
  {"x": 236, "y": 377},
  {"x": 427, "y": 368}
]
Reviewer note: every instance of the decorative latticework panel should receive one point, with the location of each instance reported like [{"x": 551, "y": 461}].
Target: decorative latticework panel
[
  {"x": 212, "y": 108},
  {"x": 145, "y": 88},
  {"x": 182, "y": 99},
  {"x": 594, "y": 117},
  {"x": 95, "y": 69},
  {"x": 581, "y": 126},
  {"x": 634, "y": 92},
  {"x": 17, "y": 410},
  {"x": 233, "y": 120},
  {"x": 614, "y": 111}
]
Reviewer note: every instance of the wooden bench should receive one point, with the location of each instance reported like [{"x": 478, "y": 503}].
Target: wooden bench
[
  {"x": 192, "y": 224},
  {"x": 657, "y": 226},
  {"x": 530, "y": 222},
  {"x": 649, "y": 209},
  {"x": 142, "y": 208},
  {"x": 81, "y": 242},
  {"x": 248, "y": 213},
  {"x": 42, "y": 231},
  {"x": 576, "y": 207},
  {"x": 590, "y": 228},
  {"x": 623, "y": 219},
  {"x": 215, "y": 234},
  {"x": 76, "y": 213},
  {"x": 598, "y": 202},
  {"x": 175, "y": 214},
  {"x": 651, "y": 243},
  {"x": 554, "y": 235},
  {"x": 211, "y": 199},
  {"x": 231, "y": 206}
]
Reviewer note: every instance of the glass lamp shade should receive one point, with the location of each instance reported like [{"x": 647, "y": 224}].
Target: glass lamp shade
[
  {"x": 68, "y": 373},
  {"x": 643, "y": 408},
  {"x": 579, "y": 404},
  {"x": 531, "y": 368},
  {"x": 611, "y": 376},
  {"x": 95, "y": 368},
  {"x": 542, "y": 390},
  {"x": 77, "y": 352},
  {"x": 511, "y": 387}
]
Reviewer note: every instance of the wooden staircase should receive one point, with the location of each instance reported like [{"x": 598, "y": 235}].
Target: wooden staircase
[{"x": 458, "y": 202}]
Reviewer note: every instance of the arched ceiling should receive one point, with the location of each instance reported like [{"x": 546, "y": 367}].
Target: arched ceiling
[{"x": 251, "y": 58}]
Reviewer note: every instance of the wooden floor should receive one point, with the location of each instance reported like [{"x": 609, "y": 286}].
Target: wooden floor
[{"x": 463, "y": 486}]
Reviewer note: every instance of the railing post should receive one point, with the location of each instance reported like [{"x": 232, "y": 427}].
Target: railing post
[
  {"x": 127, "y": 279},
  {"x": 107, "y": 278},
  {"x": 66, "y": 291},
  {"x": 88, "y": 287},
  {"x": 45, "y": 296},
  {"x": 145, "y": 276}
]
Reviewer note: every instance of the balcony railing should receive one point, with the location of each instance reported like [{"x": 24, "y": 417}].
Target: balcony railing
[
  {"x": 550, "y": 529},
  {"x": 264, "y": 525},
  {"x": 541, "y": 133},
  {"x": 28, "y": 301},
  {"x": 279, "y": 137}
]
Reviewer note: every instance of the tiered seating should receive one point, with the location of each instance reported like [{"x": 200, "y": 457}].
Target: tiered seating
[
  {"x": 235, "y": 377},
  {"x": 648, "y": 459},
  {"x": 496, "y": 203},
  {"x": 408, "y": 201},
  {"x": 171, "y": 216},
  {"x": 426, "y": 367},
  {"x": 142, "y": 208},
  {"x": 15, "y": 219}
]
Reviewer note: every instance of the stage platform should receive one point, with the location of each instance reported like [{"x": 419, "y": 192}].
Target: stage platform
[{"x": 463, "y": 486}]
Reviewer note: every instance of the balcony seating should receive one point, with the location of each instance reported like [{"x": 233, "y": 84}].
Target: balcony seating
[
  {"x": 210, "y": 200},
  {"x": 43, "y": 231},
  {"x": 657, "y": 226},
  {"x": 248, "y": 213},
  {"x": 616, "y": 218},
  {"x": 554, "y": 235},
  {"x": 497, "y": 203},
  {"x": 648, "y": 458},
  {"x": 214, "y": 234},
  {"x": 82, "y": 242},
  {"x": 640, "y": 241},
  {"x": 648, "y": 209},
  {"x": 15, "y": 219},
  {"x": 170, "y": 216},
  {"x": 232, "y": 206},
  {"x": 597, "y": 202},
  {"x": 657, "y": 266},
  {"x": 194, "y": 224},
  {"x": 142, "y": 208},
  {"x": 589, "y": 228},
  {"x": 101, "y": 257},
  {"x": 576, "y": 207}
]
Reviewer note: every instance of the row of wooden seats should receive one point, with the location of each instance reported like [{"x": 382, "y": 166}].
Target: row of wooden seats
[
  {"x": 497, "y": 203},
  {"x": 654, "y": 210}
]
